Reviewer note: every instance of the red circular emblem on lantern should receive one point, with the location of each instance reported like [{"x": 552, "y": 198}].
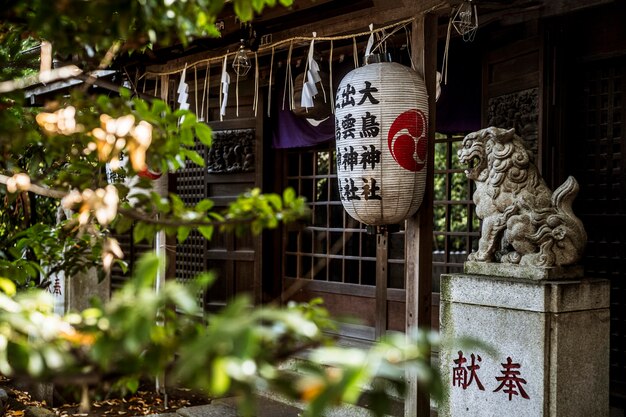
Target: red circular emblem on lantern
[
  {"x": 407, "y": 140},
  {"x": 151, "y": 175}
]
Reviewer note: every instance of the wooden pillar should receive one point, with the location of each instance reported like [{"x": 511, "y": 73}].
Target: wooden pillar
[
  {"x": 161, "y": 186},
  {"x": 382, "y": 254},
  {"x": 419, "y": 228}
]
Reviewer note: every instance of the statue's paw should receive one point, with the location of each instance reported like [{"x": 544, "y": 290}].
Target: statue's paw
[
  {"x": 511, "y": 258},
  {"x": 478, "y": 256}
]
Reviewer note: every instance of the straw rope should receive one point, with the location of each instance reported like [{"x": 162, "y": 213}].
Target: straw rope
[{"x": 290, "y": 41}]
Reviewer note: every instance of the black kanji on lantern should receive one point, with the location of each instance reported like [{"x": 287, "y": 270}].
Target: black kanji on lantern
[
  {"x": 369, "y": 190},
  {"x": 350, "y": 158},
  {"x": 367, "y": 93},
  {"x": 338, "y": 160},
  {"x": 348, "y": 96},
  {"x": 370, "y": 157},
  {"x": 369, "y": 126},
  {"x": 349, "y": 126},
  {"x": 350, "y": 190},
  {"x": 337, "y": 130}
]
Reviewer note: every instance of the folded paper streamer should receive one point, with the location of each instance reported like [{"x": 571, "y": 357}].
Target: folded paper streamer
[
  {"x": 309, "y": 89},
  {"x": 183, "y": 93},
  {"x": 224, "y": 91}
]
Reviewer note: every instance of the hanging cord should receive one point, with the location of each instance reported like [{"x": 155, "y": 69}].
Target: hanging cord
[
  {"x": 195, "y": 87},
  {"x": 386, "y": 36},
  {"x": 133, "y": 85},
  {"x": 355, "y": 53},
  {"x": 287, "y": 74},
  {"x": 446, "y": 51},
  {"x": 330, "y": 77},
  {"x": 208, "y": 90},
  {"x": 269, "y": 90},
  {"x": 408, "y": 47},
  {"x": 255, "y": 103},
  {"x": 156, "y": 84},
  {"x": 204, "y": 94},
  {"x": 237, "y": 94},
  {"x": 165, "y": 89}
]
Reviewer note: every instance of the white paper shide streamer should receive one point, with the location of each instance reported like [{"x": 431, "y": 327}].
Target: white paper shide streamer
[
  {"x": 370, "y": 42},
  {"x": 225, "y": 81},
  {"x": 309, "y": 89},
  {"x": 183, "y": 93}
]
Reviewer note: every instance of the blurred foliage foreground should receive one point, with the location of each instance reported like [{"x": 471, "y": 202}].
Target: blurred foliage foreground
[{"x": 143, "y": 333}]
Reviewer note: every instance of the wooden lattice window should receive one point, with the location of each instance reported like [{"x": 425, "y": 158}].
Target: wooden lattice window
[
  {"x": 456, "y": 228},
  {"x": 598, "y": 161},
  {"x": 334, "y": 247}
]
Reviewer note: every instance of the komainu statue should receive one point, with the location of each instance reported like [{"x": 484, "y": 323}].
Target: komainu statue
[{"x": 523, "y": 222}]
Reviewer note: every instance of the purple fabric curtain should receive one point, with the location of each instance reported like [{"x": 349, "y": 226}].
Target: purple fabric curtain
[{"x": 290, "y": 131}]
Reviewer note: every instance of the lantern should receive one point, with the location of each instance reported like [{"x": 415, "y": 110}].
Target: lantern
[{"x": 381, "y": 118}]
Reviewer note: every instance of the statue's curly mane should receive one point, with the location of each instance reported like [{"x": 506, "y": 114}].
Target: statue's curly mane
[{"x": 508, "y": 163}]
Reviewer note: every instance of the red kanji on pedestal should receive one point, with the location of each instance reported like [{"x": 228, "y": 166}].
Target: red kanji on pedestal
[
  {"x": 511, "y": 381},
  {"x": 463, "y": 376}
]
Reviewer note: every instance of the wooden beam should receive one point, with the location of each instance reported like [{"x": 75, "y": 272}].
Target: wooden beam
[{"x": 419, "y": 228}]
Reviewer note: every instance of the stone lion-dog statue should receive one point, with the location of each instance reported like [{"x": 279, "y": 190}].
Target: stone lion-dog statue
[{"x": 523, "y": 222}]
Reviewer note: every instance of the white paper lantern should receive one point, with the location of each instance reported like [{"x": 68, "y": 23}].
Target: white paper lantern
[{"x": 381, "y": 129}]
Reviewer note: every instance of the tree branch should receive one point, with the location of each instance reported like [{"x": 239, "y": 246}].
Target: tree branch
[
  {"x": 38, "y": 189},
  {"x": 68, "y": 71},
  {"x": 137, "y": 214},
  {"x": 146, "y": 218}
]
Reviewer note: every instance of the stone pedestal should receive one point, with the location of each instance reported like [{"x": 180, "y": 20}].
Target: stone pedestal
[{"x": 550, "y": 342}]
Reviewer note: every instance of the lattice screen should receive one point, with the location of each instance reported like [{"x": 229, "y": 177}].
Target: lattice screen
[
  {"x": 601, "y": 172},
  {"x": 335, "y": 247}
]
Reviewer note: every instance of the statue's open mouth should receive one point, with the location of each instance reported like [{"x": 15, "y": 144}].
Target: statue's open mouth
[{"x": 474, "y": 163}]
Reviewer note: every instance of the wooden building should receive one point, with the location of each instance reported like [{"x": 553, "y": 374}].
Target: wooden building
[{"x": 554, "y": 70}]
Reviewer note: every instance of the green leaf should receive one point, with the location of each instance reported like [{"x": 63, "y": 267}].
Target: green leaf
[
  {"x": 204, "y": 133},
  {"x": 132, "y": 384},
  {"x": 141, "y": 106},
  {"x": 195, "y": 157},
  {"x": 189, "y": 121},
  {"x": 7, "y": 286},
  {"x": 182, "y": 234},
  {"x": 177, "y": 204},
  {"x": 243, "y": 9},
  {"x": 206, "y": 231},
  {"x": 275, "y": 201},
  {"x": 204, "y": 205},
  {"x": 186, "y": 137},
  {"x": 124, "y": 93},
  {"x": 220, "y": 381},
  {"x": 142, "y": 231},
  {"x": 146, "y": 269},
  {"x": 289, "y": 195},
  {"x": 123, "y": 224},
  {"x": 159, "y": 107}
]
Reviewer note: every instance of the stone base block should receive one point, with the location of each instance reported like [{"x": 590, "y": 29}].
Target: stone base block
[
  {"x": 533, "y": 273},
  {"x": 543, "y": 351}
]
